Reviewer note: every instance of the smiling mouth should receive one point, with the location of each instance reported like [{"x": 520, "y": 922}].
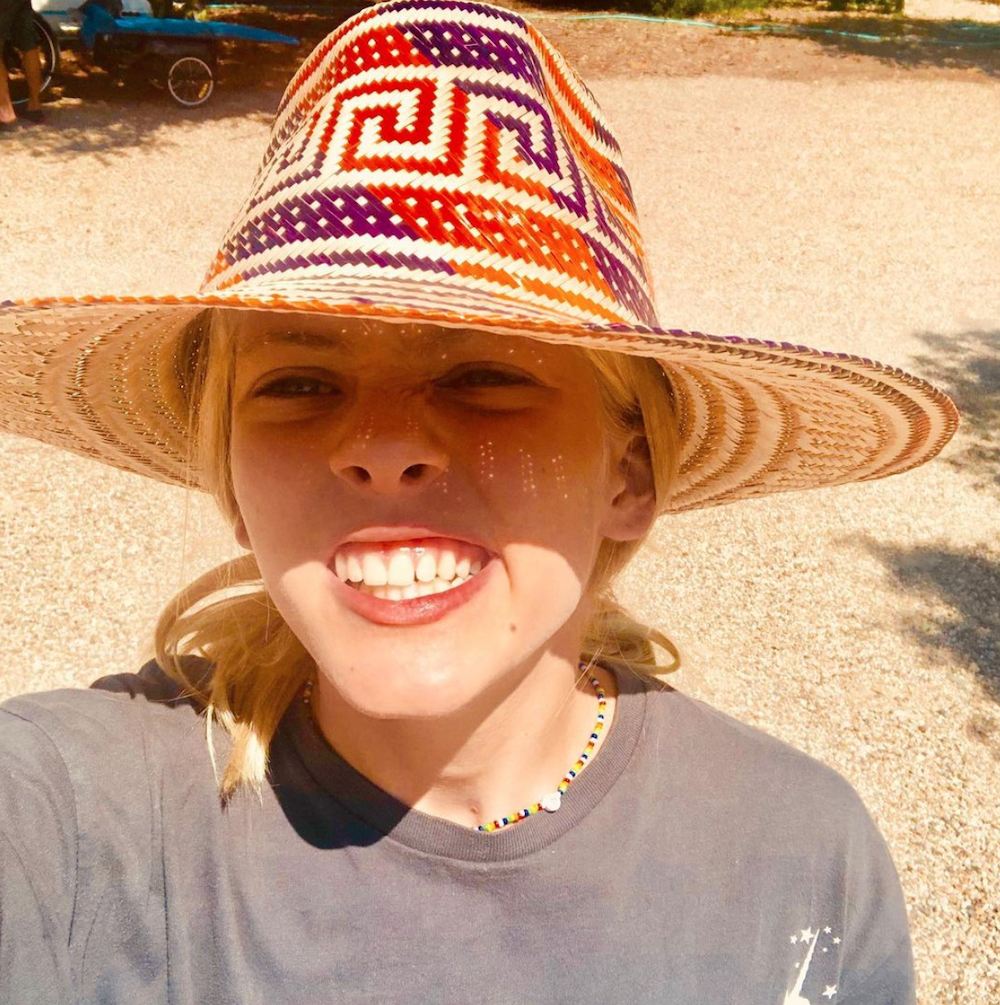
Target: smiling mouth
[{"x": 405, "y": 570}]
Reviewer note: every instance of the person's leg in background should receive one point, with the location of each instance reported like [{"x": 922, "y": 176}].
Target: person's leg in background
[
  {"x": 17, "y": 27},
  {"x": 32, "y": 62},
  {"x": 7, "y": 17},
  {"x": 7, "y": 115}
]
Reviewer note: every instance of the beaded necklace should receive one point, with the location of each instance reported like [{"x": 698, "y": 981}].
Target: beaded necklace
[{"x": 553, "y": 800}]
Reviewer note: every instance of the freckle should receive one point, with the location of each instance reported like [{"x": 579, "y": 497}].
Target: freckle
[{"x": 513, "y": 628}]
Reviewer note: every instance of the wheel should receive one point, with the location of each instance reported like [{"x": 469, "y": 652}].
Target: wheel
[
  {"x": 49, "y": 50},
  {"x": 190, "y": 81}
]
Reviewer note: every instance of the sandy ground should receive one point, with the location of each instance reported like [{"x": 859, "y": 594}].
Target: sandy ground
[
  {"x": 954, "y": 10},
  {"x": 839, "y": 198}
]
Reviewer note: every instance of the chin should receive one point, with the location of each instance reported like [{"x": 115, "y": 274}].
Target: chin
[{"x": 404, "y": 687}]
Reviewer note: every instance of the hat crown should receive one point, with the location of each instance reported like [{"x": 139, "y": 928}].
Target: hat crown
[{"x": 442, "y": 156}]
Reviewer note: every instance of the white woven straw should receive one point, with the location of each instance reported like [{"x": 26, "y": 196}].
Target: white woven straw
[
  {"x": 437, "y": 162},
  {"x": 754, "y": 418}
]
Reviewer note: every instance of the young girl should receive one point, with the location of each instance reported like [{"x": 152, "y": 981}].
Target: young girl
[{"x": 409, "y": 749}]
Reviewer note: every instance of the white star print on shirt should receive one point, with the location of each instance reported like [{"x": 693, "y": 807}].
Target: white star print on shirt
[{"x": 811, "y": 938}]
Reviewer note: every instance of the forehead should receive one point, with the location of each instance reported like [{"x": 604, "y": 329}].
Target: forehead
[{"x": 366, "y": 342}]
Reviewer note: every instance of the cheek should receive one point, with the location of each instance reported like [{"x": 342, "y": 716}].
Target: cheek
[
  {"x": 547, "y": 483},
  {"x": 273, "y": 489},
  {"x": 547, "y": 586}
]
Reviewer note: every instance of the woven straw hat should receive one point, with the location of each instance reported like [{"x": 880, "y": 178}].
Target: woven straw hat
[{"x": 438, "y": 161}]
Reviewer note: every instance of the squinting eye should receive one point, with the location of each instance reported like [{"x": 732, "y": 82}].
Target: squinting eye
[
  {"x": 295, "y": 386},
  {"x": 487, "y": 377}
]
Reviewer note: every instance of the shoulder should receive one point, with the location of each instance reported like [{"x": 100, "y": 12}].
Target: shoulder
[
  {"x": 741, "y": 768},
  {"x": 116, "y": 696},
  {"x": 106, "y": 731},
  {"x": 789, "y": 833}
]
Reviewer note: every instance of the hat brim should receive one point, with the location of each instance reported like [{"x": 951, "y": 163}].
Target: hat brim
[{"x": 100, "y": 377}]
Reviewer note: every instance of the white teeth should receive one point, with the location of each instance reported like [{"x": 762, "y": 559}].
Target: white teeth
[
  {"x": 446, "y": 564},
  {"x": 407, "y": 571},
  {"x": 401, "y": 569},
  {"x": 340, "y": 567},
  {"x": 426, "y": 567},
  {"x": 374, "y": 570},
  {"x": 388, "y": 592},
  {"x": 354, "y": 571}
]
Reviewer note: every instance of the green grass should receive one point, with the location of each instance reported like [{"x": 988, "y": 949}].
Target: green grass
[
  {"x": 686, "y": 8},
  {"x": 695, "y": 8}
]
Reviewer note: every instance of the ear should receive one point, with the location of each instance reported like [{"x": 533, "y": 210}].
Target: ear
[
  {"x": 633, "y": 503},
  {"x": 240, "y": 533}
]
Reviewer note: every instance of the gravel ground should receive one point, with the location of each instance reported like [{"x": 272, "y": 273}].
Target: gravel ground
[
  {"x": 954, "y": 10},
  {"x": 846, "y": 207}
]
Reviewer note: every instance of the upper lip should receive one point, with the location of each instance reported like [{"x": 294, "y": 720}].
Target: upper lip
[{"x": 398, "y": 533}]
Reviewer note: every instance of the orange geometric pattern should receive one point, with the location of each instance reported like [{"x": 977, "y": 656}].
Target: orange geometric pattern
[{"x": 446, "y": 142}]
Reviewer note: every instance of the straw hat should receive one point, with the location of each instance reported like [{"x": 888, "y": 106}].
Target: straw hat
[{"x": 439, "y": 162}]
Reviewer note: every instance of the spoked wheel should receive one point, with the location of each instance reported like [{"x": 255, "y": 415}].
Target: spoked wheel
[
  {"x": 49, "y": 50},
  {"x": 190, "y": 81}
]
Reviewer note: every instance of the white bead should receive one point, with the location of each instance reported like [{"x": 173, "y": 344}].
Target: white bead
[{"x": 552, "y": 802}]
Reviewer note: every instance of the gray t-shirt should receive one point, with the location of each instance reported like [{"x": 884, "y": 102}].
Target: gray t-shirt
[{"x": 696, "y": 861}]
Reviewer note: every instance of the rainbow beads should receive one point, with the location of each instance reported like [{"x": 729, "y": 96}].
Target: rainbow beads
[{"x": 552, "y": 802}]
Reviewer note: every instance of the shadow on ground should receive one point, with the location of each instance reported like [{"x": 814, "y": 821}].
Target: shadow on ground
[
  {"x": 910, "y": 43},
  {"x": 968, "y": 583},
  {"x": 963, "y": 586},
  {"x": 967, "y": 366},
  {"x": 93, "y": 115},
  {"x": 90, "y": 112}
]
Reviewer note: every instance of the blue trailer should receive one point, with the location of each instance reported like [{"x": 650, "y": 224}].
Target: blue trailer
[
  {"x": 178, "y": 54},
  {"x": 182, "y": 55}
]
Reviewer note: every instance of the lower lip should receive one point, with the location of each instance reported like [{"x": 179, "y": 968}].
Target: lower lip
[{"x": 418, "y": 610}]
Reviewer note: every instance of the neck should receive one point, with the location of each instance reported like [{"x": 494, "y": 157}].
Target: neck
[{"x": 477, "y": 765}]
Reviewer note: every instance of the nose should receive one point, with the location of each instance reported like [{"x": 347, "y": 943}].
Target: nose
[{"x": 388, "y": 454}]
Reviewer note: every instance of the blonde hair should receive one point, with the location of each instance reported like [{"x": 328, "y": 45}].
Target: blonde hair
[{"x": 228, "y": 618}]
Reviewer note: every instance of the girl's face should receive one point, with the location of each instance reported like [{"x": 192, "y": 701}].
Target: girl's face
[{"x": 425, "y": 506}]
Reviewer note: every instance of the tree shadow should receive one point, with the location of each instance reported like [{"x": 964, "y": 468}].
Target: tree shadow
[
  {"x": 961, "y": 586},
  {"x": 968, "y": 584},
  {"x": 910, "y": 43},
  {"x": 967, "y": 366},
  {"x": 94, "y": 115}
]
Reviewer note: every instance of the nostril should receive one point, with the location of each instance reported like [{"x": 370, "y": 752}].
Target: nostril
[
  {"x": 358, "y": 474},
  {"x": 415, "y": 472},
  {"x": 386, "y": 477}
]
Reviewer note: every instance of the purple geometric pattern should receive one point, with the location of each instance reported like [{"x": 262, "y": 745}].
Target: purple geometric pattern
[
  {"x": 477, "y": 48},
  {"x": 419, "y": 137},
  {"x": 623, "y": 281},
  {"x": 545, "y": 158},
  {"x": 447, "y": 7},
  {"x": 318, "y": 215},
  {"x": 379, "y": 260}
]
